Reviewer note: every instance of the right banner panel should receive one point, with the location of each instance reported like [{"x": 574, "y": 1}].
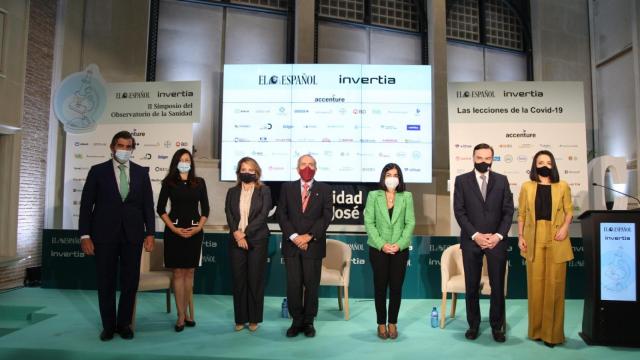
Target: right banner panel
[{"x": 518, "y": 119}]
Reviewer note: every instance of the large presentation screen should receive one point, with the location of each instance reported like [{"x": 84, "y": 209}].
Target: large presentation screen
[
  {"x": 618, "y": 262},
  {"x": 353, "y": 119}
]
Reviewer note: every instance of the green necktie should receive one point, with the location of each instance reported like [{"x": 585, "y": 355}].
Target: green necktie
[{"x": 124, "y": 182}]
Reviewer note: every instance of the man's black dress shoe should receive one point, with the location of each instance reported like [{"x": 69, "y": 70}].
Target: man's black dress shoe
[
  {"x": 293, "y": 331},
  {"x": 309, "y": 330},
  {"x": 189, "y": 323},
  {"x": 106, "y": 335},
  {"x": 126, "y": 333},
  {"x": 498, "y": 335},
  {"x": 471, "y": 334}
]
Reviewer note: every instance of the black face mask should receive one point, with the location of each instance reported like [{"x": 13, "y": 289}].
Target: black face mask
[
  {"x": 248, "y": 177},
  {"x": 482, "y": 166},
  {"x": 544, "y": 171}
]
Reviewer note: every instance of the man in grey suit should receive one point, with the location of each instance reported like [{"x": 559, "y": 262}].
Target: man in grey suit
[{"x": 483, "y": 207}]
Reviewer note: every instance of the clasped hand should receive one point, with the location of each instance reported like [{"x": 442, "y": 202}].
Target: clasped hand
[
  {"x": 302, "y": 241},
  {"x": 486, "y": 241},
  {"x": 186, "y": 232},
  {"x": 390, "y": 249}
]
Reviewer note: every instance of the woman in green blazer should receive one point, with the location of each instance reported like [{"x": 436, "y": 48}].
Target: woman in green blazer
[
  {"x": 545, "y": 211},
  {"x": 389, "y": 221}
]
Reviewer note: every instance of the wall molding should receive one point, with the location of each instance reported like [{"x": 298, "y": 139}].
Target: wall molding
[{"x": 4, "y": 19}]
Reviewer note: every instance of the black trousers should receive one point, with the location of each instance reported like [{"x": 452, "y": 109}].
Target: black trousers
[
  {"x": 303, "y": 273},
  {"x": 247, "y": 271},
  {"x": 496, "y": 268},
  {"x": 388, "y": 272},
  {"x": 115, "y": 259}
]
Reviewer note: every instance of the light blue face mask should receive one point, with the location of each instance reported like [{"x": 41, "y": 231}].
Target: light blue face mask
[
  {"x": 122, "y": 156},
  {"x": 184, "y": 167}
]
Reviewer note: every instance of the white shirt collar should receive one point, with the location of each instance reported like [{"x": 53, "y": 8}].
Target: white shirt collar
[
  {"x": 116, "y": 164},
  {"x": 478, "y": 173}
]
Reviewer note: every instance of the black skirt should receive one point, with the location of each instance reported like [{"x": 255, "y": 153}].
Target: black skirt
[{"x": 180, "y": 252}]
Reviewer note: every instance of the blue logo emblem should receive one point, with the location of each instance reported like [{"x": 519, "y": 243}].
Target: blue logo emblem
[{"x": 80, "y": 100}]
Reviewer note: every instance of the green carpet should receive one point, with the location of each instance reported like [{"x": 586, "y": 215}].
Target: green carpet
[{"x": 64, "y": 324}]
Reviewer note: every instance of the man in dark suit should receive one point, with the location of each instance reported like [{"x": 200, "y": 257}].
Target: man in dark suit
[
  {"x": 304, "y": 213},
  {"x": 116, "y": 217},
  {"x": 483, "y": 207}
]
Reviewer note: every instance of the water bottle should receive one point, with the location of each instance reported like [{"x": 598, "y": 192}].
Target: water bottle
[
  {"x": 285, "y": 309},
  {"x": 434, "y": 317}
]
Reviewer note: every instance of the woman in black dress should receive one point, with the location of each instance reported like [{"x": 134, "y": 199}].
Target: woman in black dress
[
  {"x": 183, "y": 227},
  {"x": 247, "y": 208}
]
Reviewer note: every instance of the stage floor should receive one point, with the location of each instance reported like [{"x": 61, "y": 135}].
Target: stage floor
[{"x": 64, "y": 324}]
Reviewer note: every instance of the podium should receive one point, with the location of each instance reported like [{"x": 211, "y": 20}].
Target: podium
[{"x": 611, "y": 314}]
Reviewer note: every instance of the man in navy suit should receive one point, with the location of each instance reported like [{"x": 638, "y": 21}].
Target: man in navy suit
[
  {"x": 116, "y": 217},
  {"x": 483, "y": 207},
  {"x": 304, "y": 213}
]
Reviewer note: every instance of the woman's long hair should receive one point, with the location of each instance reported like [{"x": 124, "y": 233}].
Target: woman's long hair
[{"x": 173, "y": 175}]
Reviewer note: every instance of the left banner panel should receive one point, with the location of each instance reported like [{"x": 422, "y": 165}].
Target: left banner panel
[{"x": 159, "y": 115}]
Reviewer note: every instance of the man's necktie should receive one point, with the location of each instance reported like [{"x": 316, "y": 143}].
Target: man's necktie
[
  {"x": 305, "y": 196},
  {"x": 483, "y": 187},
  {"x": 124, "y": 182}
]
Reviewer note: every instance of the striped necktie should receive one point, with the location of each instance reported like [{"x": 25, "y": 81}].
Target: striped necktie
[{"x": 305, "y": 196}]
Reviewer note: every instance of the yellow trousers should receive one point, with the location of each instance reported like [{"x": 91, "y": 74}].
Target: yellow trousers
[{"x": 546, "y": 282}]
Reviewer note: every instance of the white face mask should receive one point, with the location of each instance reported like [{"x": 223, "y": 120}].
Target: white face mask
[
  {"x": 391, "y": 182},
  {"x": 184, "y": 167},
  {"x": 122, "y": 156}
]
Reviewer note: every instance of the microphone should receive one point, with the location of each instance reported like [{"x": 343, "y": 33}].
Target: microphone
[{"x": 616, "y": 191}]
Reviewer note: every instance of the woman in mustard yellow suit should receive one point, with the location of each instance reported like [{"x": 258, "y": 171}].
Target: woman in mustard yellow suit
[
  {"x": 389, "y": 220},
  {"x": 545, "y": 211}
]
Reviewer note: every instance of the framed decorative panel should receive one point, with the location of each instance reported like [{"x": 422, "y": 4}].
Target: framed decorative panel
[{"x": 3, "y": 41}]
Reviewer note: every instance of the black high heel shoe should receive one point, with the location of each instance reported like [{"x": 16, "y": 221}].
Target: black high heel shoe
[
  {"x": 189, "y": 323},
  {"x": 179, "y": 328}
]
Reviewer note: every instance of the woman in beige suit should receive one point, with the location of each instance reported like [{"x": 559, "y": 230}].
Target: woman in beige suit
[{"x": 545, "y": 211}]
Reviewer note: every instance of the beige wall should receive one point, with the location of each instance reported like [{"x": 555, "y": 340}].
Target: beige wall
[
  {"x": 115, "y": 38},
  {"x": 9, "y": 184},
  {"x": 14, "y": 19},
  {"x": 109, "y": 33},
  {"x": 561, "y": 49},
  {"x": 434, "y": 205},
  {"x": 27, "y": 164},
  {"x": 304, "y": 32},
  {"x": 615, "y": 69}
]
